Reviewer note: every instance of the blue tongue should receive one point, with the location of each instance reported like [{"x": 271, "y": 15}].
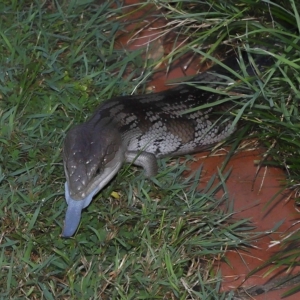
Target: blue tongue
[{"x": 73, "y": 213}]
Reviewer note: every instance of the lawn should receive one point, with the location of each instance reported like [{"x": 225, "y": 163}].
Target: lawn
[{"x": 139, "y": 239}]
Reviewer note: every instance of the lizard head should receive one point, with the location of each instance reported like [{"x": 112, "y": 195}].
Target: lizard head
[{"x": 91, "y": 158}]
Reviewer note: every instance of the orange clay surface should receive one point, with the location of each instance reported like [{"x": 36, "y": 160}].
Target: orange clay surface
[{"x": 249, "y": 192}]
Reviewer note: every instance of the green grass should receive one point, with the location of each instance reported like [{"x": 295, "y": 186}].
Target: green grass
[{"x": 139, "y": 239}]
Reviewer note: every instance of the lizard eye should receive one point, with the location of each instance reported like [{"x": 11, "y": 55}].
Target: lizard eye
[{"x": 98, "y": 171}]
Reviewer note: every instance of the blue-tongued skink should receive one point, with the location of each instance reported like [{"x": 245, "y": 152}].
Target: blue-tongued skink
[{"x": 141, "y": 128}]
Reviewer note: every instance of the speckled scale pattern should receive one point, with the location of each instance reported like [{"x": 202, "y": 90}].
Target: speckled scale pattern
[
  {"x": 162, "y": 128},
  {"x": 157, "y": 123}
]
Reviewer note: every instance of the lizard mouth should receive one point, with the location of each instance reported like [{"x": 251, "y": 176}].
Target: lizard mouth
[
  {"x": 73, "y": 214},
  {"x": 75, "y": 207}
]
